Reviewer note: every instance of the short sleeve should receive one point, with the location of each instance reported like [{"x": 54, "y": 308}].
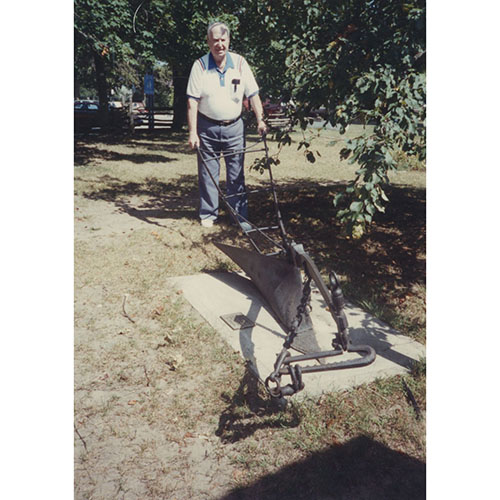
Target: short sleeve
[
  {"x": 194, "y": 83},
  {"x": 251, "y": 87}
]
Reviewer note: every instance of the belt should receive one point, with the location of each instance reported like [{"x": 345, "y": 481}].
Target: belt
[{"x": 219, "y": 122}]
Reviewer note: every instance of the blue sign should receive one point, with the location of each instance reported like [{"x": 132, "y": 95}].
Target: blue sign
[{"x": 149, "y": 85}]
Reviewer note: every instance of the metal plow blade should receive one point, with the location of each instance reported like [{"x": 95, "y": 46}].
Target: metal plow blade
[{"x": 281, "y": 285}]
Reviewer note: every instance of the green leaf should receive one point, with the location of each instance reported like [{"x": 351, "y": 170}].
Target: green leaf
[
  {"x": 356, "y": 206},
  {"x": 337, "y": 198}
]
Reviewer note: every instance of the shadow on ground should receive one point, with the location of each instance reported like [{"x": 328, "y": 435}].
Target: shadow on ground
[
  {"x": 390, "y": 258},
  {"x": 361, "y": 469},
  {"x": 84, "y": 154},
  {"x": 385, "y": 270},
  {"x": 159, "y": 142},
  {"x": 248, "y": 411},
  {"x": 381, "y": 268},
  {"x": 393, "y": 247},
  {"x": 158, "y": 200}
]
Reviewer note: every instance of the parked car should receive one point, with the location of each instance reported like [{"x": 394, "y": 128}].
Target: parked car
[
  {"x": 319, "y": 114},
  {"x": 139, "y": 113},
  {"x": 273, "y": 109},
  {"x": 86, "y": 114},
  {"x": 115, "y": 105},
  {"x": 138, "y": 107}
]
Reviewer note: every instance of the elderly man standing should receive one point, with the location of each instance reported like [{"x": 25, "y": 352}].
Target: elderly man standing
[{"x": 217, "y": 85}]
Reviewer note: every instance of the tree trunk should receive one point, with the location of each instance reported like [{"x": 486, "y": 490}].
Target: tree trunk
[
  {"x": 102, "y": 90},
  {"x": 180, "y": 77}
]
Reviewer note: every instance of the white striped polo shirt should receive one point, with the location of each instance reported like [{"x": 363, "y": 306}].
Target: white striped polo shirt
[{"x": 220, "y": 93}]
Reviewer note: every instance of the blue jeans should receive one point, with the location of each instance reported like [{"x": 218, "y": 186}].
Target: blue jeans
[{"x": 214, "y": 140}]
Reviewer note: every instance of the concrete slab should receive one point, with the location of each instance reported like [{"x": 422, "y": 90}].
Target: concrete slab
[{"x": 219, "y": 294}]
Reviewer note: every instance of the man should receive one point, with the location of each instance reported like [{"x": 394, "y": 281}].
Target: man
[{"x": 217, "y": 85}]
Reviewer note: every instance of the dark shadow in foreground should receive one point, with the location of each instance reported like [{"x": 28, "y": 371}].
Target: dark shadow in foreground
[
  {"x": 249, "y": 411},
  {"x": 361, "y": 469}
]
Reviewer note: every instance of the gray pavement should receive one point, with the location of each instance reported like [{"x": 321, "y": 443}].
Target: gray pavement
[{"x": 219, "y": 294}]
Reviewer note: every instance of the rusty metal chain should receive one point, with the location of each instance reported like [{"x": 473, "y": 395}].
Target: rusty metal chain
[
  {"x": 301, "y": 310},
  {"x": 294, "y": 371}
]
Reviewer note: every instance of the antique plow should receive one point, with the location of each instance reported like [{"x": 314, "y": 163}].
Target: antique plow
[{"x": 283, "y": 274}]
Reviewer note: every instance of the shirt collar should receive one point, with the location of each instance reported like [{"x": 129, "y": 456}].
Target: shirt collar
[{"x": 213, "y": 65}]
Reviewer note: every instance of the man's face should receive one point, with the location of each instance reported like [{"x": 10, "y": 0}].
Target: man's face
[{"x": 218, "y": 41}]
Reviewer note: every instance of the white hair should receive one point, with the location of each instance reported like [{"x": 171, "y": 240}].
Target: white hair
[{"x": 217, "y": 24}]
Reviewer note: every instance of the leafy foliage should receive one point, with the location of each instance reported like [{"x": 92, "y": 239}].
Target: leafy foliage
[
  {"x": 103, "y": 30},
  {"x": 354, "y": 60}
]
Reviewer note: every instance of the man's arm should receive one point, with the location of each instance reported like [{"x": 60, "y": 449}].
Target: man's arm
[
  {"x": 259, "y": 113},
  {"x": 192, "y": 116}
]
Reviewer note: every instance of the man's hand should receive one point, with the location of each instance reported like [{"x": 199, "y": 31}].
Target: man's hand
[
  {"x": 258, "y": 110},
  {"x": 194, "y": 141},
  {"x": 261, "y": 127}
]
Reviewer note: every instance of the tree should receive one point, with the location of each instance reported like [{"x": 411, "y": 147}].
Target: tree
[
  {"x": 356, "y": 60},
  {"x": 103, "y": 51},
  {"x": 266, "y": 28}
]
